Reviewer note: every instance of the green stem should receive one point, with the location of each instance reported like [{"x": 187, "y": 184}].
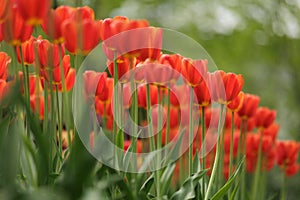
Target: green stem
[
  {"x": 26, "y": 87},
  {"x": 283, "y": 187},
  {"x": 115, "y": 104},
  {"x": 59, "y": 123},
  {"x": 149, "y": 119},
  {"x": 216, "y": 161},
  {"x": 203, "y": 146},
  {"x": 191, "y": 131},
  {"x": 159, "y": 142},
  {"x": 168, "y": 116}
]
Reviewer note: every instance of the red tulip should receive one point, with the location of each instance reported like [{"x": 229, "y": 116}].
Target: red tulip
[
  {"x": 81, "y": 31},
  {"x": 203, "y": 94},
  {"x": 224, "y": 87},
  {"x": 52, "y": 25},
  {"x": 264, "y": 117},
  {"x": 124, "y": 65},
  {"x": 5, "y": 6},
  {"x": 236, "y": 104},
  {"x": 33, "y": 11},
  {"x": 49, "y": 54},
  {"x": 287, "y": 152},
  {"x": 94, "y": 83},
  {"x": 271, "y": 131},
  {"x": 249, "y": 106},
  {"x": 14, "y": 29},
  {"x": 4, "y": 62},
  {"x": 27, "y": 51},
  {"x": 194, "y": 71}
]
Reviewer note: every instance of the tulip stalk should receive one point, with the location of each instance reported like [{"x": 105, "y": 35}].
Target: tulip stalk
[
  {"x": 217, "y": 157},
  {"x": 191, "y": 131},
  {"x": 203, "y": 146}
]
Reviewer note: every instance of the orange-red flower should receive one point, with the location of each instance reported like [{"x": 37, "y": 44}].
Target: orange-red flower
[
  {"x": 252, "y": 149},
  {"x": 52, "y": 24},
  {"x": 224, "y": 87},
  {"x": 4, "y": 9},
  {"x": 140, "y": 43},
  {"x": 94, "y": 83},
  {"x": 27, "y": 51},
  {"x": 4, "y": 62},
  {"x": 33, "y": 11},
  {"x": 124, "y": 64},
  {"x": 287, "y": 155},
  {"x": 49, "y": 54},
  {"x": 249, "y": 106},
  {"x": 81, "y": 31},
  {"x": 14, "y": 29},
  {"x": 156, "y": 73},
  {"x": 271, "y": 131},
  {"x": 194, "y": 71},
  {"x": 69, "y": 75},
  {"x": 264, "y": 117},
  {"x": 203, "y": 94},
  {"x": 236, "y": 104},
  {"x": 107, "y": 92},
  {"x": 111, "y": 27}
]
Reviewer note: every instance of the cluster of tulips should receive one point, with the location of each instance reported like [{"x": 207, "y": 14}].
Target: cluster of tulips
[{"x": 139, "y": 76}]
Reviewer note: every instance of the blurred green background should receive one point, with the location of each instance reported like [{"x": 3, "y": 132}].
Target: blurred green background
[{"x": 259, "y": 39}]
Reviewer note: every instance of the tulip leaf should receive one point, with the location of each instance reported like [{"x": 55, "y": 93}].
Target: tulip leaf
[
  {"x": 222, "y": 191},
  {"x": 146, "y": 187},
  {"x": 166, "y": 178},
  {"x": 187, "y": 190}
]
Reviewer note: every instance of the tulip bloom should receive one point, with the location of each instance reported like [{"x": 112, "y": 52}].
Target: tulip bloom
[
  {"x": 14, "y": 29},
  {"x": 287, "y": 155},
  {"x": 194, "y": 71},
  {"x": 249, "y": 106},
  {"x": 224, "y": 87},
  {"x": 33, "y": 11},
  {"x": 119, "y": 24},
  {"x": 124, "y": 64},
  {"x": 4, "y": 9},
  {"x": 81, "y": 31},
  {"x": 203, "y": 94},
  {"x": 271, "y": 131},
  {"x": 94, "y": 83},
  {"x": 27, "y": 51},
  {"x": 4, "y": 62},
  {"x": 236, "y": 104},
  {"x": 52, "y": 25},
  {"x": 48, "y": 54},
  {"x": 69, "y": 75},
  {"x": 264, "y": 117}
]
